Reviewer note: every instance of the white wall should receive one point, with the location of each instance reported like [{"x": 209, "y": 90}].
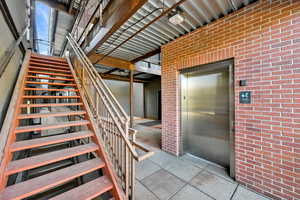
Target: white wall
[
  {"x": 120, "y": 90},
  {"x": 8, "y": 79},
  {"x": 151, "y": 98}
]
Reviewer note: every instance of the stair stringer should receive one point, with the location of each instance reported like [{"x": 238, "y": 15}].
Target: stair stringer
[
  {"x": 108, "y": 169},
  {"x": 7, "y": 135}
]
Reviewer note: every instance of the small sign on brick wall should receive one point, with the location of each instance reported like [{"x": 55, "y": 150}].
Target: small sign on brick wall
[{"x": 245, "y": 97}]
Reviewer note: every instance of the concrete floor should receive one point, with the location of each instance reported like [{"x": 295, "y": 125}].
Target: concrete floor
[
  {"x": 166, "y": 177},
  {"x": 146, "y": 134}
]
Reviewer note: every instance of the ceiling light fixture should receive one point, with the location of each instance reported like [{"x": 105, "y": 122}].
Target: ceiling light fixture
[{"x": 175, "y": 17}]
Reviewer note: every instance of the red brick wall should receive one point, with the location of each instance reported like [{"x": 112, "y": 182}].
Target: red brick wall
[{"x": 264, "y": 40}]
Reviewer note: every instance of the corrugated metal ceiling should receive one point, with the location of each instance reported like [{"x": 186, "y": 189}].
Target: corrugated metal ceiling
[
  {"x": 63, "y": 26},
  {"x": 197, "y": 13},
  {"x": 60, "y": 24}
]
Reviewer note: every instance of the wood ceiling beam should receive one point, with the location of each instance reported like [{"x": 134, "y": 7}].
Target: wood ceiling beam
[
  {"x": 111, "y": 71},
  {"x": 121, "y": 78},
  {"x": 147, "y": 55},
  {"x": 112, "y": 62},
  {"x": 114, "y": 18}
]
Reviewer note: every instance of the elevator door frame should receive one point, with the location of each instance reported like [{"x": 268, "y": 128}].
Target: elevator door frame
[{"x": 209, "y": 67}]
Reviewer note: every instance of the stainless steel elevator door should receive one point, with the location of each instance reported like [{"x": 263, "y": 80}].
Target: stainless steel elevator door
[{"x": 205, "y": 114}]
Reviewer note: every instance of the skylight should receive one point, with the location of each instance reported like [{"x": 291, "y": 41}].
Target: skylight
[{"x": 42, "y": 15}]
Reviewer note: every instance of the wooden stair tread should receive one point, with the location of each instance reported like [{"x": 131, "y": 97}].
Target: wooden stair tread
[
  {"x": 34, "y": 143},
  {"x": 51, "y": 114},
  {"x": 50, "y": 89},
  {"x": 47, "y": 158},
  {"x": 50, "y": 69},
  {"x": 49, "y": 97},
  {"x": 50, "y": 78},
  {"x": 57, "y": 66},
  {"x": 49, "y": 61},
  {"x": 49, "y": 83},
  {"x": 50, "y": 73},
  {"x": 91, "y": 190},
  {"x": 44, "y": 57},
  {"x": 23, "y": 129},
  {"x": 48, "y": 181},
  {"x": 62, "y": 60},
  {"x": 49, "y": 105}
]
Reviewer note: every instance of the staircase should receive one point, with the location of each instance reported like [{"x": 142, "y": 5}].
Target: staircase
[{"x": 51, "y": 149}]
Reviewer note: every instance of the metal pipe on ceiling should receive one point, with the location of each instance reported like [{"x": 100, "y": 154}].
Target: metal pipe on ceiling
[
  {"x": 139, "y": 40},
  {"x": 130, "y": 26},
  {"x": 146, "y": 34},
  {"x": 130, "y": 46},
  {"x": 169, "y": 5},
  {"x": 129, "y": 51},
  {"x": 170, "y": 27},
  {"x": 157, "y": 18},
  {"x": 152, "y": 30},
  {"x": 158, "y": 26},
  {"x": 155, "y": 27},
  {"x": 133, "y": 50}
]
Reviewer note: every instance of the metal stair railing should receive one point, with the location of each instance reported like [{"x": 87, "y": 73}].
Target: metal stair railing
[{"x": 113, "y": 122}]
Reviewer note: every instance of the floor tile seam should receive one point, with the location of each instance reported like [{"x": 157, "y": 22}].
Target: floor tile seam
[
  {"x": 216, "y": 174},
  {"x": 234, "y": 191},
  {"x": 149, "y": 190},
  {"x": 160, "y": 168},
  {"x": 198, "y": 188},
  {"x": 194, "y": 164},
  {"x": 178, "y": 191}
]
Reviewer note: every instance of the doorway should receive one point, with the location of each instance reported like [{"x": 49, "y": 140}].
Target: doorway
[
  {"x": 207, "y": 112},
  {"x": 159, "y": 105}
]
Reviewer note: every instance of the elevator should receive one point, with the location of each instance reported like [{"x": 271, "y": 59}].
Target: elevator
[{"x": 207, "y": 112}]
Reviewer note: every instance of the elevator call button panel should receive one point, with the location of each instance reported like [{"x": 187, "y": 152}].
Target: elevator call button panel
[{"x": 245, "y": 97}]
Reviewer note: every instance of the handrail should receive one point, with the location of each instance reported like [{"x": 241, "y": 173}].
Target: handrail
[
  {"x": 89, "y": 63},
  {"x": 8, "y": 54},
  {"x": 133, "y": 131},
  {"x": 117, "y": 138},
  {"x": 89, "y": 69}
]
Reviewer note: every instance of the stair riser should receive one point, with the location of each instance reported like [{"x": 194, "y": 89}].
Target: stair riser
[
  {"x": 49, "y": 153},
  {"x": 48, "y": 181},
  {"x": 51, "y": 97},
  {"x": 50, "y": 78},
  {"x": 50, "y": 127},
  {"x": 49, "y": 69},
  {"x": 49, "y": 83},
  {"x": 50, "y": 115},
  {"x": 49, "y": 73},
  {"x": 15, "y": 147},
  {"x": 47, "y": 89},
  {"x": 49, "y": 105},
  {"x": 63, "y": 156}
]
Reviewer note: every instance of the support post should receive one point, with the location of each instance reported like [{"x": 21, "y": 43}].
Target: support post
[{"x": 131, "y": 98}]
